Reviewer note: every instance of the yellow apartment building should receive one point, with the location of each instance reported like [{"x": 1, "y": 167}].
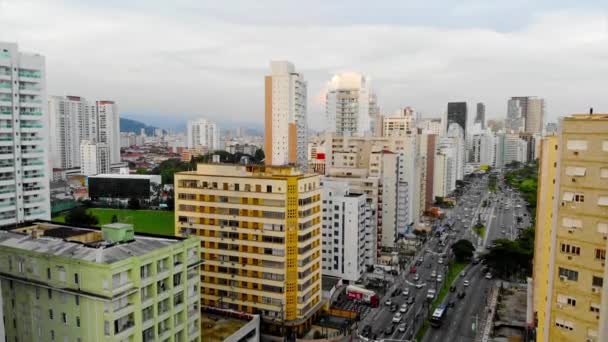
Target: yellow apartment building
[
  {"x": 547, "y": 174},
  {"x": 260, "y": 231},
  {"x": 578, "y": 233}
]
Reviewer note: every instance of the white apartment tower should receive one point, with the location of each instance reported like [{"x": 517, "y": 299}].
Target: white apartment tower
[
  {"x": 347, "y": 225},
  {"x": 203, "y": 133},
  {"x": 24, "y": 178},
  {"x": 347, "y": 105},
  {"x": 285, "y": 130},
  {"x": 108, "y": 126},
  {"x": 94, "y": 157},
  {"x": 73, "y": 119}
]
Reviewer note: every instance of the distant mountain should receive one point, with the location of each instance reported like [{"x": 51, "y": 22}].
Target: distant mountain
[{"x": 128, "y": 125}]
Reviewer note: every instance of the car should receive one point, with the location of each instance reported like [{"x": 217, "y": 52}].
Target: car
[
  {"x": 389, "y": 330},
  {"x": 503, "y": 232},
  {"x": 395, "y": 293},
  {"x": 451, "y": 304},
  {"x": 433, "y": 274},
  {"x": 430, "y": 294},
  {"x": 452, "y": 288},
  {"x": 411, "y": 300},
  {"x": 465, "y": 283},
  {"x": 416, "y": 277},
  {"x": 419, "y": 285},
  {"x": 403, "y": 308},
  {"x": 440, "y": 261},
  {"x": 488, "y": 275},
  {"x": 388, "y": 302},
  {"x": 463, "y": 273},
  {"x": 413, "y": 269},
  {"x": 393, "y": 308},
  {"x": 397, "y": 317},
  {"x": 406, "y": 291},
  {"x": 439, "y": 278},
  {"x": 461, "y": 294},
  {"x": 367, "y": 330},
  {"x": 402, "y": 327}
]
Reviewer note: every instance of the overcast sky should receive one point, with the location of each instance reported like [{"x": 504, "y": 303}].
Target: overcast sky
[{"x": 182, "y": 59}]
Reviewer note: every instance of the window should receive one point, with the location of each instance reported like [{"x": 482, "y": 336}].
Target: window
[
  {"x": 48, "y": 273},
  {"x": 577, "y": 145},
  {"x": 605, "y": 145},
  {"x": 75, "y": 278},
  {"x": 570, "y": 249},
  {"x": 600, "y": 254},
  {"x": 567, "y": 325},
  {"x": 576, "y": 171},
  {"x": 569, "y": 274},
  {"x": 61, "y": 270},
  {"x": 77, "y": 298},
  {"x": 562, "y": 299},
  {"x": 602, "y": 227},
  {"x": 268, "y": 188},
  {"x": 50, "y": 313},
  {"x": 568, "y": 222},
  {"x": 597, "y": 281},
  {"x": 604, "y": 172},
  {"x": 603, "y": 201},
  {"x": 594, "y": 308},
  {"x": 568, "y": 196},
  {"x": 64, "y": 318},
  {"x": 78, "y": 321},
  {"x": 580, "y": 198},
  {"x": 50, "y": 293},
  {"x": 52, "y": 335}
]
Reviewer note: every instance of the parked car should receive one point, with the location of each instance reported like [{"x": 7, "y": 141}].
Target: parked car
[
  {"x": 403, "y": 308},
  {"x": 488, "y": 275},
  {"x": 411, "y": 300},
  {"x": 465, "y": 283},
  {"x": 388, "y": 302},
  {"x": 463, "y": 273},
  {"x": 419, "y": 285},
  {"x": 395, "y": 293},
  {"x": 406, "y": 291},
  {"x": 393, "y": 308},
  {"x": 402, "y": 327},
  {"x": 416, "y": 277},
  {"x": 397, "y": 317}
]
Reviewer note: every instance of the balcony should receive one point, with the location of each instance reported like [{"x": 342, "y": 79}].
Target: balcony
[
  {"x": 33, "y": 213},
  {"x": 30, "y": 74},
  {"x": 6, "y": 220},
  {"x": 4, "y": 128},
  {"x": 32, "y": 113}
]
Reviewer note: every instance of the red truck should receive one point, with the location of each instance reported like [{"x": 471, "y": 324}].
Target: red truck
[{"x": 364, "y": 295}]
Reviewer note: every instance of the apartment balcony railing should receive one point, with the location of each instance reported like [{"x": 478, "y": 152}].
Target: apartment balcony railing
[
  {"x": 6, "y": 85},
  {"x": 31, "y": 125},
  {"x": 26, "y": 100},
  {"x": 30, "y": 74},
  {"x": 29, "y": 88}
]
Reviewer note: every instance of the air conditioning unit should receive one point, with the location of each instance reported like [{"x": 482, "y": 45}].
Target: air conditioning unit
[
  {"x": 595, "y": 290},
  {"x": 563, "y": 278},
  {"x": 589, "y": 339}
]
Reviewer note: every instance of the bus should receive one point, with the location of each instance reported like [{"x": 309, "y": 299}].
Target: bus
[{"x": 438, "y": 315}]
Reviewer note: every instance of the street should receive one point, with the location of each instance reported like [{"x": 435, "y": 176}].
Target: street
[{"x": 499, "y": 216}]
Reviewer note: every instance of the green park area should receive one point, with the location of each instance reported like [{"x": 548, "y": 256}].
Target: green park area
[{"x": 144, "y": 221}]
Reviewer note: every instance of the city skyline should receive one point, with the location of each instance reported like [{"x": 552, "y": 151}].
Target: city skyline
[{"x": 425, "y": 71}]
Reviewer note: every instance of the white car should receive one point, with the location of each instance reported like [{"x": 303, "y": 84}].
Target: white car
[
  {"x": 463, "y": 273},
  {"x": 488, "y": 275},
  {"x": 419, "y": 285},
  {"x": 440, "y": 261},
  {"x": 402, "y": 327},
  {"x": 433, "y": 274},
  {"x": 406, "y": 292},
  {"x": 403, "y": 308},
  {"x": 397, "y": 317},
  {"x": 388, "y": 302},
  {"x": 430, "y": 294},
  {"x": 439, "y": 278},
  {"x": 416, "y": 277},
  {"x": 465, "y": 283}
]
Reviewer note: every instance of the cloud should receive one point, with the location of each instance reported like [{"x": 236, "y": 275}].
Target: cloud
[{"x": 205, "y": 59}]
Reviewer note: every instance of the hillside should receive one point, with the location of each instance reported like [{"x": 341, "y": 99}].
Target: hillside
[{"x": 128, "y": 125}]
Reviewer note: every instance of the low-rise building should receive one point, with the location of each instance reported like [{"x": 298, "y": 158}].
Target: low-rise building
[
  {"x": 64, "y": 283},
  {"x": 123, "y": 187}
]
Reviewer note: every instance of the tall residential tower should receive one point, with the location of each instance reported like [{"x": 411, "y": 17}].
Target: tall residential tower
[
  {"x": 24, "y": 179},
  {"x": 285, "y": 131},
  {"x": 347, "y": 105}
]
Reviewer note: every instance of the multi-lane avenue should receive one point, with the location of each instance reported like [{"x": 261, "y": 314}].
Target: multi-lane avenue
[{"x": 498, "y": 212}]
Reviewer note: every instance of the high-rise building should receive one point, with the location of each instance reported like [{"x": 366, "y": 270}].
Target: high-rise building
[
  {"x": 401, "y": 125},
  {"x": 94, "y": 158},
  {"x": 203, "y": 134},
  {"x": 347, "y": 229},
  {"x": 347, "y": 105},
  {"x": 428, "y": 144},
  {"x": 64, "y": 283},
  {"x": 525, "y": 114},
  {"x": 24, "y": 189},
  {"x": 547, "y": 176},
  {"x": 431, "y": 126},
  {"x": 74, "y": 119},
  {"x": 375, "y": 115},
  {"x": 108, "y": 127},
  {"x": 481, "y": 115},
  {"x": 286, "y": 128},
  {"x": 572, "y": 233},
  {"x": 260, "y": 231},
  {"x": 457, "y": 113}
]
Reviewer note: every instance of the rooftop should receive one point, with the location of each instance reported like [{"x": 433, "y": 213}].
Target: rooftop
[
  {"x": 79, "y": 243},
  {"x": 129, "y": 176}
]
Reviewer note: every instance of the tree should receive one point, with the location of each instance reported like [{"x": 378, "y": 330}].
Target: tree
[
  {"x": 80, "y": 217},
  {"x": 133, "y": 203},
  {"x": 463, "y": 250},
  {"x": 512, "y": 258},
  {"x": 114, "y": 219},
  {"x": 259, "y": 155}
]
